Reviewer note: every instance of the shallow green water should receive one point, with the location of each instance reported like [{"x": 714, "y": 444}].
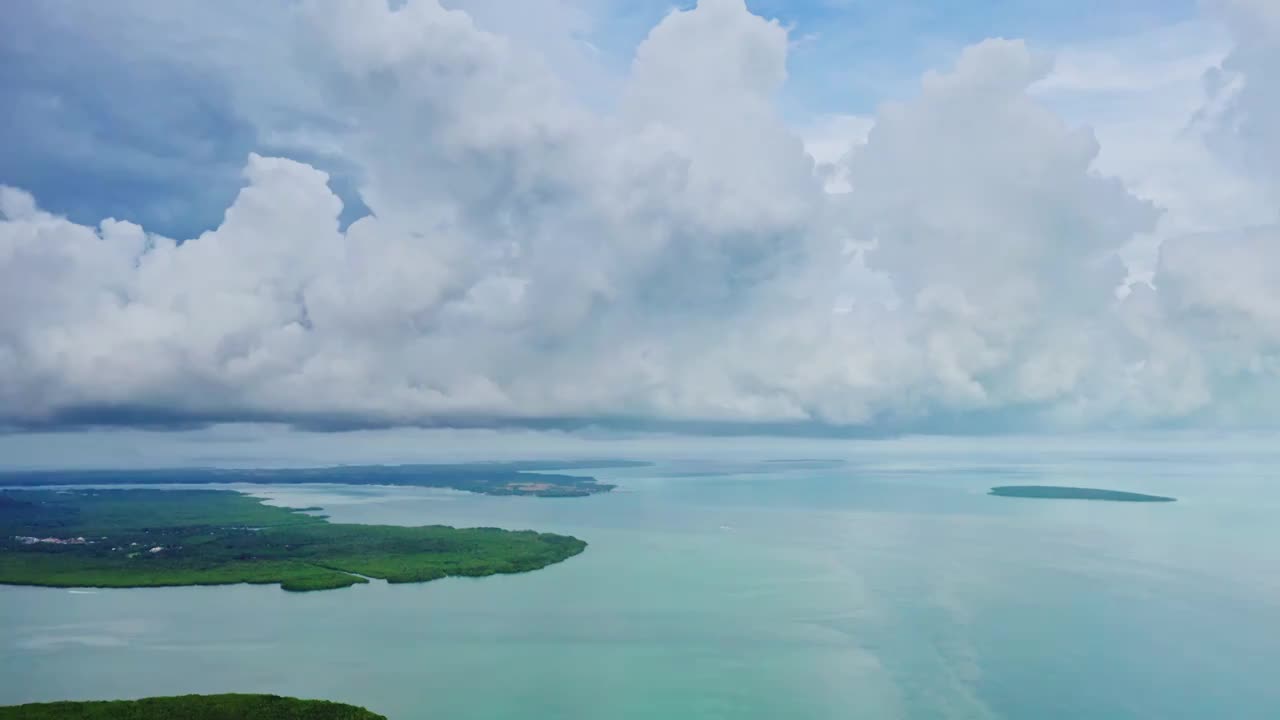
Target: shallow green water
[{"x": 887, "y": 587}]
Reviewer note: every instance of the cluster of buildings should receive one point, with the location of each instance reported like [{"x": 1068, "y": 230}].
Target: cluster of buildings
[{"x": 51, "y": 540}]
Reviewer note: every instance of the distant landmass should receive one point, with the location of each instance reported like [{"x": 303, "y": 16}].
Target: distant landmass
[
  {"x": 154, "y": 538},
  {"x": 191, "y": 707},
  {"x": 497, "y": 478},
  {"x": 1056, "y": 492}
]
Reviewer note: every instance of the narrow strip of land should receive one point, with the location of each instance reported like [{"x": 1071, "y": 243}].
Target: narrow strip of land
[{"x": 535, "y": 477}]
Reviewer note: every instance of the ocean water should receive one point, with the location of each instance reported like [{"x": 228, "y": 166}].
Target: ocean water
[{"x": 883, "y": 584}]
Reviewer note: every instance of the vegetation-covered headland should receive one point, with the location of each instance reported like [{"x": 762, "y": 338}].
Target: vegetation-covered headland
[
  {"x": 191, "y": 707},
  {"x": 496, "y": 478},
  {"x": 1055, "y": 492},
  {"x": 152, "y": 538}
]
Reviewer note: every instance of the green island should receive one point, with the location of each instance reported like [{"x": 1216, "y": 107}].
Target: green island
[
  {"x": 1056, "y": 492},
  {"x": 531, "y": 477},
  {"x": 153, "y": 538},
  {"x": 191, "y": 707}
]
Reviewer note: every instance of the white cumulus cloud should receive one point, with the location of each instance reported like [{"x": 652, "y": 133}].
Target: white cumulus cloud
[{"x": 676, "y": 259}]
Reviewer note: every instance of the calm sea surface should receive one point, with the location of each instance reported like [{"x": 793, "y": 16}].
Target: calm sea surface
[{"x": 887, "y": 585}]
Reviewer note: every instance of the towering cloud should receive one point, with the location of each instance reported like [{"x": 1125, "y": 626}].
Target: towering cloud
[
  {"x": 677, "y": 259},
  {"x": 1219, "y": 291}
]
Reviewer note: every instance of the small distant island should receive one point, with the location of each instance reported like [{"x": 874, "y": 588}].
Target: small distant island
[
  {"x": 532, "y": 477},
  {"x": 1057, "y": 492},
  {"x": 191, "y": 707},
  {"x": 151, "y": 538}
]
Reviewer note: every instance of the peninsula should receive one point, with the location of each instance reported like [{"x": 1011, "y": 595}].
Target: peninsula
[
  {"x": 151, "y": 538},
  {"x": 534, "y": 478},
  {"x": 1056, "y": 492},
  {"x": 191, "y": 707}
]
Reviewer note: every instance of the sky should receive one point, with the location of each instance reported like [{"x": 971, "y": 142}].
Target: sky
[{"x": 824, "y": 218}]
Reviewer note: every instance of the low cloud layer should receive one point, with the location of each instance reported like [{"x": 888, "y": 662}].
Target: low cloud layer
[{"x": 677, "y": 260}]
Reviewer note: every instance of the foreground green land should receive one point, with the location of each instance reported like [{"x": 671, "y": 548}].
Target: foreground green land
[
  {"x": 191, "y": 707},
  {"x": 1054, "y": 492},
  {"x": 489, "y": 478},
  {"x": 152, "y": 538}
]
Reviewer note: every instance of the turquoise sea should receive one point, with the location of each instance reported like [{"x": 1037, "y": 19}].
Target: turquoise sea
[{"x": 881, "y": 582}]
